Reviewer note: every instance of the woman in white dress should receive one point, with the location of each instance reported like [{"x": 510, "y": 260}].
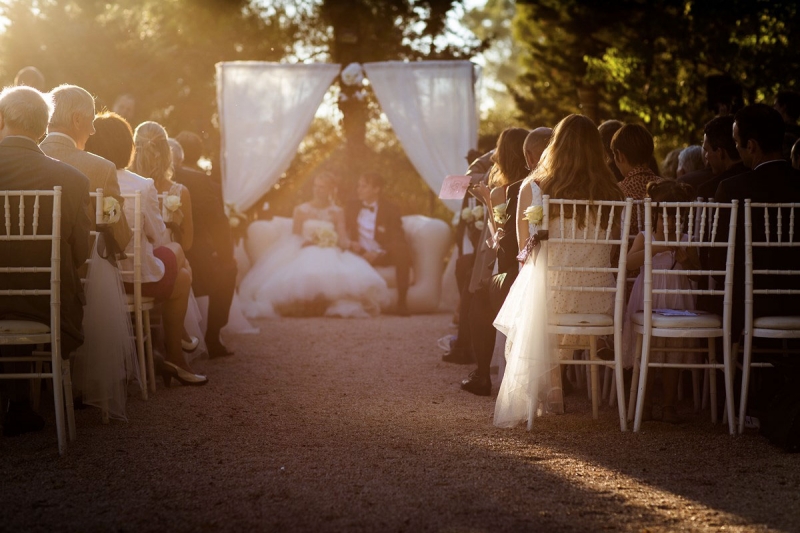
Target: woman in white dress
[
  {"x": 572, "y": 167},
  {"x": 309, "y": 272}
]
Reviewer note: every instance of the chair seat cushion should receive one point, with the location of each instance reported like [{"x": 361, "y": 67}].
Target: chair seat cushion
[
  {"x": 23, "y": 327},
  {"x": 145, "y": 299},
  {"x": 699, "y": 321},
  {"x": 777, "y": 322},
  {"x": 588, "y": 320}
]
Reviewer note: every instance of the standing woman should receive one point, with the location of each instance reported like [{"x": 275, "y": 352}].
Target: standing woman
[
  {"x": 573, "y": 166},
  {"x": 153, "y": 159}
]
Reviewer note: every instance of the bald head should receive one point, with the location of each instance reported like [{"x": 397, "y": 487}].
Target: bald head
[{"x": 535, "y": 143}]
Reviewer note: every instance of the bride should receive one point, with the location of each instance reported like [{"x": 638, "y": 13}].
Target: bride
[{"x": 309, "y": 273}]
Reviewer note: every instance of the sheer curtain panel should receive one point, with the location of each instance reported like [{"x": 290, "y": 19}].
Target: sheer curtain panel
[
  {"x": 265, "y": 111},
  {"x": 431, "y": 106}
]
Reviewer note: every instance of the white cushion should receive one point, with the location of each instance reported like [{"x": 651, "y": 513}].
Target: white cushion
[
  {"x": 588, "y": 320},
  {"x": 777, "y": 322},
  {"x": 677, "y": 322},
  {"x": 22, "y": 327}
]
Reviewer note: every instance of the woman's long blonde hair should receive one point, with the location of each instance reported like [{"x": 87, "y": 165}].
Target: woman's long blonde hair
[
  {"x": 573, "y": 166},
  {"x": 153, "y": 157}
]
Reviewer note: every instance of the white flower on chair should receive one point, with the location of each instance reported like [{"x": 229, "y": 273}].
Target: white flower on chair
[
  {"x": 172, "y": 202},
  {"x": 111, "y": 210},
  {"x": 534, "y": 214}
]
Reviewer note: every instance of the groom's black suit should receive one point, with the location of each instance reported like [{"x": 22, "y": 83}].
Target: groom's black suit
[{"x": 390, "y": 236}]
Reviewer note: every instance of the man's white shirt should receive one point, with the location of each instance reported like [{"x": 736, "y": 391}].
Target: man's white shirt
[{"x": 366, "y": 227}]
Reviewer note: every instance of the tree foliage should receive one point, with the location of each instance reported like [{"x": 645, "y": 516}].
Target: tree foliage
[{"x": 650, "y": 60}]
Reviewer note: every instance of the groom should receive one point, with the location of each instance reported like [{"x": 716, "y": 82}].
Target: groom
[{"x": 376, "y": 233}]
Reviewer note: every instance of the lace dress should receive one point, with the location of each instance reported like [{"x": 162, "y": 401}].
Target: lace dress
[{"x": 309, "y": 275}]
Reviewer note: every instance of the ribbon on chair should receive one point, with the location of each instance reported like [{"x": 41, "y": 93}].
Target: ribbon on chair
[
  {"x": 107, "y": 246},
  {"x": 532, "y": 246}
]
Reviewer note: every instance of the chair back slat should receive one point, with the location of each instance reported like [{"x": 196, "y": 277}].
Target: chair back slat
[{"x": 781, "y": 237}]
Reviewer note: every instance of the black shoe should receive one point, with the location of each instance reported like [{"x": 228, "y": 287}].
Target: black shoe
[
  {"x": 458, "y": 357},
  {"x": 477, "y": 384},
  {"x": 20, "y": 419}
]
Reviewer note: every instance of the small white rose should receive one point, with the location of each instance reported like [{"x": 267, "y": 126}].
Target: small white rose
[
  {"x": 500, "y": 215},
  {"x": 477, "y": 212},
  {"x": 234, "y": 222},
  {"x": 172, "y": 202},
  {"x": 111, "y": 210},
  {"x": 534, "y": 214},
  {"x": 466, "y": 214},
  {"x": 479, "y": 225}
]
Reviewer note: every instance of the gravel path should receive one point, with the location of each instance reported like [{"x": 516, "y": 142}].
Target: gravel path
[{"x": 355, "y": 425}]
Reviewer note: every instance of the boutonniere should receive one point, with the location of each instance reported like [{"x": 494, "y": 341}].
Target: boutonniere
[{"x": 380, "y": 229}]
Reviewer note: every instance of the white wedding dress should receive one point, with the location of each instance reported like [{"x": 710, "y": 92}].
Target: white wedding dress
[
  {"x": 530, "y": 352},
  {"x": 295, "y": 277}
]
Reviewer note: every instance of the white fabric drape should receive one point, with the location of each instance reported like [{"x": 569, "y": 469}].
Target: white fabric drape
[
  {"x": 265, "y": 111},
  {"x": 431, "y": 106}
]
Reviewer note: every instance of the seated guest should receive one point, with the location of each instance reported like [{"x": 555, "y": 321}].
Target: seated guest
[
  {"x": 787, "y": 103},
  {"x": 165, "y": 273},
  {"x": 633, "y": 149},
  {"x": 607, "y": 130},
  {"x": 375, "y": 230},
  {"x": 796, "y": 154},
  {"x": 211, "y": 256},
  {"x": 721, "y": 154},
  {"x": 669, "y": 167},
  {"x": 692, "y": 168},
  {"x": 690, "y": 160},
  {"x": 24, "y": 113},
  {"x": 758, "y": 133},
  {"x": 30, "y": 76},
  {"x": 70, "y": 127}
]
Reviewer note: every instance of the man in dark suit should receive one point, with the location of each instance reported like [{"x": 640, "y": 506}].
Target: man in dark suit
[
  {"x": 758, "y": 134},
  {"x": 720, "y": 152},
  {"x": 211, "y": 254},
  {"x": 376, "y": 233},
  {"x": 24, "y": 116}
]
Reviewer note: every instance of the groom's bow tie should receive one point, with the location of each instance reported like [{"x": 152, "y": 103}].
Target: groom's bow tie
[{"x": 370, "y": 207}]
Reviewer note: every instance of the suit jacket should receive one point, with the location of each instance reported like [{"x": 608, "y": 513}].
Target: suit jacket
[
  {"x": 479, "y": 172},
  {"x": 389, "y": 232},
  {"x": 23, "y": 166},
  {"x": 696, "y": 178},
  {"x": 102, "y": 174},
  {"x": 213, "y": 243},
  {"x": 708, "y": 188},
  {"x": 775, "y": 181}
]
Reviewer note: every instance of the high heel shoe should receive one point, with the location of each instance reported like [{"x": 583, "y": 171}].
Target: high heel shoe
[
  {"x": 169, "y": 371},
  {"x": 190, "y": 345}
]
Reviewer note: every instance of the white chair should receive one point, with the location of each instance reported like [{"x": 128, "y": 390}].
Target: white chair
[
  {"x": 700, "y": 325},
  {"x": 140, "y": 305},
  {"x": 779, "y": 233},
  {"x": 24, "y": 332},
  {"x": 592, "y": 325}
]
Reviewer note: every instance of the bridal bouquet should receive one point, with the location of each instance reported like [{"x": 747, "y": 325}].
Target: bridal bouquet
[
  {"x": 325, "y": 237},
  {"x": 171, "y": 204},
  {"x": 111, "y": 210}
]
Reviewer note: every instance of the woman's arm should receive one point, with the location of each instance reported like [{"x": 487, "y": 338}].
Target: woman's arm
[
  {"x": 523, "y": 202},
  {"x": 187, "y": 226},
  {"x": 636, "y": 253}
]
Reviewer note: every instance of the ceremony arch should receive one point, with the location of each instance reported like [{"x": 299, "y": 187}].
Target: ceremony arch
[{"x": 266, "y": 109}]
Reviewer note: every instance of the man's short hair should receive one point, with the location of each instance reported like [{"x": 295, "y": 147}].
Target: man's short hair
[
  {"x": 177, "y": 152},
  {"x": 536, "y": 137},
  {"x": 607, "y": 130},
  {"x": 68, "y": 100},
  {"x": 635, "y": 143},
  {"x": 719, "y": 133},
  {"x": 26, "y": 110},
  {"x": 373, "y": 179},
  {"x": 790, "y": 101},
  {"x": 30, "y": 76},
  {"x": 762, "y": 124},
  {"x": 113, "y": 139},
  {"x": 192, "y": 146}
]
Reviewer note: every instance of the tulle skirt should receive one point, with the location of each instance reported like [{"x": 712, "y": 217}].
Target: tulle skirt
[
  {"x": 106, "y": 362},
  {"x": 531, "y": 352}
]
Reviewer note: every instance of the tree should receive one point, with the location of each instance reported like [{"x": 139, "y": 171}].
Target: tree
[{"x": 650, "y": 60}]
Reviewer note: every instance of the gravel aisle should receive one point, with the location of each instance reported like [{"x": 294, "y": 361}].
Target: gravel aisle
[{"x": 355, "y": 425}]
